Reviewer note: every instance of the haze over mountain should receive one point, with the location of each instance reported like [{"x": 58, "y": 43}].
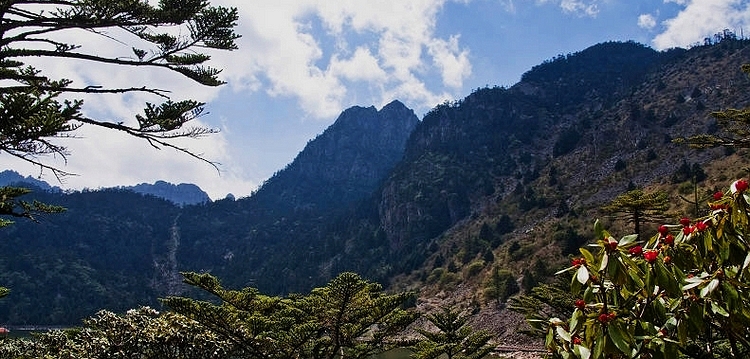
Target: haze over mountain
[{"x": 504, "y": 179}]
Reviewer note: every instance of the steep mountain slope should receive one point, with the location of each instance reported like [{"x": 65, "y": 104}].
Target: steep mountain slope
[
  {"x": 276, "y": 239},
  {"x": 103, "y": 252},
  {"x": 117, "y": 249},
  {"x": 542, "y": 156}
]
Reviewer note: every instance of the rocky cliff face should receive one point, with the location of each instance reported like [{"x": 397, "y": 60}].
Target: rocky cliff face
[
  {"x": 346, "y": 162},
  {"x": 549, "y": 151}
]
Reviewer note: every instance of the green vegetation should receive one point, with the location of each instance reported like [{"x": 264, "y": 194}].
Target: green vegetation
[
  {"x": 348, "y": 318},
  {"x": 682, "y": 291},
  {"x": 638, "y": 207},
  {"x": 454, "y": 338}
]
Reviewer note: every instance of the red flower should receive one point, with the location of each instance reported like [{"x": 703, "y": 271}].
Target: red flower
[
  {"x": 636, "y": 251},
  {"x": 741, "y": 186},
  {"x": 577, "y": 262},
  {"x": 701, "y": 226},
  {"x": 577, "y": 340},
  {"x": 580, "y": 304},
  {"x": 603, "y": 318},
  {"x": 612, "y": 246},
  {"x": 669, "y": 239},
  {"x": 684, "y": 221},
  {"x": 718, "y": 195},
  {"x": 667, "y": 259},
  {"x": 650, "y": 256},
  {"x": 688, "y": 230},
  {"x": 663, "y": 230}
]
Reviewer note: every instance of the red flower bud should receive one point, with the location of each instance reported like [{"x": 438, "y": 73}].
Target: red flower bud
[
  {"x": 667, "y": 259},
  {"x": 718, "y": 195},
  {"x": 577, "y": 340},
  {"x": 612, "y": 315},
  {"x": 650, "y": 256},
  {"x": 688, "y": 230},
  {"x": 741, "y": 186},
  {"x": 636, "y": 251},
  {"x": 701, "y": 226},
  {"x": 580, "y": 304},
  {"x": 663, "y": 230},
  {"x": 684, "y": 221},
  {"x": 668, "y": 240},
  {"x": 612, "y": 246},
  {"x": 603, "y": 318},
  {"x": 577, "y": 262}
]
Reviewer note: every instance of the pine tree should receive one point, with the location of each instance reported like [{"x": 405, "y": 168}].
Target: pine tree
[
  {"x": 35, "y": 109},
  {"x": 734, "y": 124},
  {"x": 637, "y": 207},
  {"x": 348, "y": 318},
  {"x": 454, "y": 338}
]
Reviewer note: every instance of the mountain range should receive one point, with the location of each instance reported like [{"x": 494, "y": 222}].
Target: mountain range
[{"x": 505, "y": 180}]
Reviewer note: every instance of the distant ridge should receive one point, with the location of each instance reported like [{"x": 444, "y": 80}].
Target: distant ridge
[
  {"x": 181, "y": 194},
  {"x": 10, "y": 177}
]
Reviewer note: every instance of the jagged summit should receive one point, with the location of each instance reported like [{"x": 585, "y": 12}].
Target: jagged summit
[{"x": 347, "y": 161}]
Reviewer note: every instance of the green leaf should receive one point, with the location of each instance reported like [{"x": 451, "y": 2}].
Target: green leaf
[
  {"x": 598, "y": 229},
  {"x": 692, "y": 283},
  {"x": 712, "y": 285},
  {"x": 563, "y": 334},
  {"x": 586, "y": 255},
  {"x": 582, "y": 275},
  {"x": 599, "y": 346},
  {"x": 620, "y": 337},
  {"x": 731, "y": 296},
  {"x": 549, "y": 341},
  {"x": 718, "y": 310},
  {"x": 627, "y": 240},
  {"x": 583, "y": 352},
  {"x": 666, "y": 280},
  {"x": 682, "y": 331}
]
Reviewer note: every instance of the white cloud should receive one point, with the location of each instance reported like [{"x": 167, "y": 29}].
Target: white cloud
[
  {"x": 646, "y": 21},
  {"x": 389, "y": 47},
  {"x": 700, "y": 19},
  {"x": 281, "y": 50},
  {"x": 361, "y": 66},
  {"x": 580, "y": 7},
  {"x": 451, "y": 60}
]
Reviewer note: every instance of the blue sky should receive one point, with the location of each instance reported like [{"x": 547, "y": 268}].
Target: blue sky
[{"x": 301, "y": 62}]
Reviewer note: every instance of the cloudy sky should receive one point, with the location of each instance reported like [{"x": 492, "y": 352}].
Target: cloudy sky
[{"x": 301, "y": 62}]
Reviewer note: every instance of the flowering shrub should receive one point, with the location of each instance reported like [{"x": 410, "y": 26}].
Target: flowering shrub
[{"x": 684, "y": 291}]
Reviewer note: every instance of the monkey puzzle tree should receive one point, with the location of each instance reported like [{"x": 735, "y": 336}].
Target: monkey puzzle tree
[
  {"x": 734, "y": 124},
  {"x": 348, "y": 318},
  {"x": 36, "y": 109},
  {"x": 637, "y": 207},
  {"x": 454, "y": 338},
  {"x": 171, "y": 36}
]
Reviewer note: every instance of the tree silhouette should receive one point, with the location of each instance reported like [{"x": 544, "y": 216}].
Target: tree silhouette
[
  {"x": 35, "y": 109},
  {"x": 637, "y": 207},
  {"x": 735, "y": 125},
  {"x": 454, "y": 338}
]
